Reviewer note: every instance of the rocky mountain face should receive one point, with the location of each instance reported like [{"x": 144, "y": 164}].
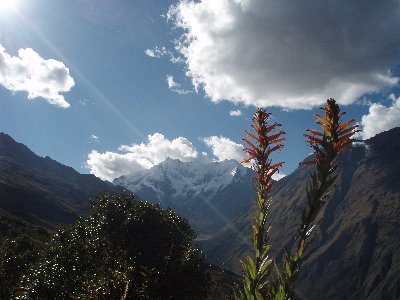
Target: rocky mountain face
[
  {"x": 356, "y": 252},
  {"x": 210, "y": 195},
  {"x": 40, "y": 190}
]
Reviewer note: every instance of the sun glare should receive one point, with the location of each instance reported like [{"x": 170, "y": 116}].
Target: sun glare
[{"x": 7, "y": 4}]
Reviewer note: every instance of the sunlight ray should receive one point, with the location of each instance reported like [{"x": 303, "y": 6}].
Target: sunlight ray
[
  {"x": 83, "y": 78},
  {"x": 243, "y": 239}
]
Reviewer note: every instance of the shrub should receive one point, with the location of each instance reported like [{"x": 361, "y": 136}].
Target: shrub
[{"x": 124, "y": 249}]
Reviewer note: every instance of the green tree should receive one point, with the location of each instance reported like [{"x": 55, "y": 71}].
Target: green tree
[{"x": 124, "y": 249}]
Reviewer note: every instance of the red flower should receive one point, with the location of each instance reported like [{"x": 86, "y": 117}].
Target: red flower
[
  {"x": 266, "y": 139},
  {"x": 335, "y": 136}
]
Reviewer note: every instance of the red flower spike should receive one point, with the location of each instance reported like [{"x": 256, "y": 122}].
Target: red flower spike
[
  {"x": 264, "y": 140},
  {"x": 334, "y": 138},
  {"x": 261, "y": 143},
  {"x": 335, "y": 135}
]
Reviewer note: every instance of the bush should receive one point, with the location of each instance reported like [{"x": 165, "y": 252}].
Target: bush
[{"x": 124, "y": 249}]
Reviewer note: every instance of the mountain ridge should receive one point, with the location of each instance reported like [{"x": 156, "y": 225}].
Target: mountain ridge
[{"x": 41, "y": 190}]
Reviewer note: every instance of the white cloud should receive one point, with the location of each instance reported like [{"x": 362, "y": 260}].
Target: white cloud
[
  {"x": 110, "y": 165},
  {"x": 171, "y": 83},
  {"x": 94, "y": 138},
  {"x": 223, "y": 148},
  {"x": 175, "y": 87},
  {"x": 31, "y": 73},
  {"x": 285, "y": 53},
  {"x": 381, "y": 118},
  {"x": 156, "y": 52},
  {"x": 235, "y": 113},
  {"x": 150, "y": 52}
]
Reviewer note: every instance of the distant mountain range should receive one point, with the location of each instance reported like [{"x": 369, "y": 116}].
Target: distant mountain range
[
  {"x": 41, "y": 191},
  {"x": 210, "y": 195},
  {"x": 356, "y": 254}
]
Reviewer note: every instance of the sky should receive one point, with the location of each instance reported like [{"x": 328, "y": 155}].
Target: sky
[{"x": 110, "y": 87}]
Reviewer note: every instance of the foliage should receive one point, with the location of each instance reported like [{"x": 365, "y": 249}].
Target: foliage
[
  {"x": 124, "y": 249},
  {"x": 327, "y": 145},
  {"x": 19, "y": 246},
  {"x": 16, "y": 254}
]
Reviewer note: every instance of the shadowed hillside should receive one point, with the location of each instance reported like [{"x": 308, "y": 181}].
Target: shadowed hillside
[{"x": 40, "y": 190}]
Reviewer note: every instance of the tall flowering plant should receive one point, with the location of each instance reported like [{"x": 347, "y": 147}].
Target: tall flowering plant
[
  {"x": 334, "y": 137},
  {"x": 262, "y": 142},
  {"x": 328, "y": 143}
]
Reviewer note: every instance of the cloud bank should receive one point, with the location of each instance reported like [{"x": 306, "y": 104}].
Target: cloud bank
[
  {"x": 39, "y": 77},
  {"x": 288, "y": 54},
  {"x": 110, "y": 165},
  {"x": 381, "y": 118},
  {"x": 131, "y": 159}
]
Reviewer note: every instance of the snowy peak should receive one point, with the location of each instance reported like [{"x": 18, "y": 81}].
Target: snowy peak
[
  {"x": 184, "y": 177},
  {"x": 197, "y": 188}
]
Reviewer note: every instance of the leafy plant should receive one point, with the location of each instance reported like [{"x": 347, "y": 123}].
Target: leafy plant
[
  {"x": 258, "y": 280},
  {"x": 124, "y": 249},
  {"x": 266, "y": 140},
  {"x": 16, "y": 254}
]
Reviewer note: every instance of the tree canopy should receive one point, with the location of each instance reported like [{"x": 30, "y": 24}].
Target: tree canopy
[{"x": 124, "y": 249}]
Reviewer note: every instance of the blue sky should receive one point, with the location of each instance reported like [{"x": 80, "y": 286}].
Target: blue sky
[{"x": 110, "y": 87}]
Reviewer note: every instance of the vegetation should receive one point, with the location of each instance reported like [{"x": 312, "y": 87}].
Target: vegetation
[
  {"x": 124, "y": 249},
  {"x": 19, "y": 246},
  {"x": 262, "y": 278}
]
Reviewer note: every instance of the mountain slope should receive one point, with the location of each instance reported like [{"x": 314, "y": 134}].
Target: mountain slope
[
  {"x": 40, "y": 190},
  {"x": 356, "y": 254},
  {"x": 210, "y": 195}
]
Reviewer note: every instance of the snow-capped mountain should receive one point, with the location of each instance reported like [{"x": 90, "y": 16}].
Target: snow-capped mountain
[{"x": 209, "y": 194}]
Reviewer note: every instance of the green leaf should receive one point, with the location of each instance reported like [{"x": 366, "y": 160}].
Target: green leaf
[
  {"x": 287, "y": 263},
  {"x": 280, "y": 294},
  {"x": 251, "y": 268},
  {"x": 300, "y": 249},
  {"x": 263, "y": 272},
  {"x": 258, "y": 295}
]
